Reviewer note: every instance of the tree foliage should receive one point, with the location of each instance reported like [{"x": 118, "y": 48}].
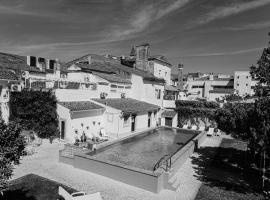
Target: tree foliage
[
  {"x": 194, "y": 111},
  {"x": 234, "y": 118},
  {"x": 11, "y": 148},
  {"x": 261, "y": 73},
  {"x": 35, "y": 110}
]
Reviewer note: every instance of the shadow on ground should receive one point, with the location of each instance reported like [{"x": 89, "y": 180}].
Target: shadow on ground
[
  {"x": 226, "y": 167},
  {"x": 33, "y": 187}
]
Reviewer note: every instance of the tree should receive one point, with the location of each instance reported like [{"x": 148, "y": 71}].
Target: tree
[
  {"x": 261, "y": 73},
  {"x": 35, "y": 110},
  {"x": 11, "y": 148}
]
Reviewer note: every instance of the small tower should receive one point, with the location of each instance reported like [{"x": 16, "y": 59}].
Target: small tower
[{"x": 180, "y": 77}]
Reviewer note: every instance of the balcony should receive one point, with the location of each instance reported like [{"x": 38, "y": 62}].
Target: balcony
[{"x": 169, "y": 101}]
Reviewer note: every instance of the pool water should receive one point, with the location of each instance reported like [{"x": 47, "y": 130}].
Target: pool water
[{"x": 145, "y": 150}]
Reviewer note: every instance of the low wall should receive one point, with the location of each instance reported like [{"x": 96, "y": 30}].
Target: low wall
[
  {"x": 184, "y": 153},
  {"x": 145, "y": 179},
  {"x": 142, "y": 179}
]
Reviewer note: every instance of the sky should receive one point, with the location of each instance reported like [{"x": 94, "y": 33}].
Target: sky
[{"x": 219, "y": 36}]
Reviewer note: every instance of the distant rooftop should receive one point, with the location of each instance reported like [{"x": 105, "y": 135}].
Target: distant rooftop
[
  {"x": 113, "y": 78},
  {"x": 15, "y": 62}
]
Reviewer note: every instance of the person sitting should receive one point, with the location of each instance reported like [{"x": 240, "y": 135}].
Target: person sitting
[{"x": 83, "y": 137}]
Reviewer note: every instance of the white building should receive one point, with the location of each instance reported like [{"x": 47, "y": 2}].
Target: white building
[
  {"x": 213, "y": 87},
  {"x": 119, "y": 117},
  {"x": 7, "y": 80}
]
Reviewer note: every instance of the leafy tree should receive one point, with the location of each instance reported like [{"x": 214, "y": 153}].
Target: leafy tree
[
  {"x": 261, "y": 73},
  {"x": 11, "y": 148},
  {"x": 35, "y": 110}
]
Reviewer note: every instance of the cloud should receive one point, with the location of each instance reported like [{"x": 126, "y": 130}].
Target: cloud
[
  {"x": 225, "y": 11},
  {"x": 146, "y": 15},
  {"x": 251, "y": 26},
  {"x": 226, "y": 53}
]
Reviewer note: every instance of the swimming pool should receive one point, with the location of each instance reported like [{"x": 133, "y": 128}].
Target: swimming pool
[
  {"x": 145, "y": 150},
  {"x": 132, "y": 159}
]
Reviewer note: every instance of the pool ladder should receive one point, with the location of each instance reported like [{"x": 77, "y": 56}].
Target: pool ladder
[{"x": 167, "y": 159}]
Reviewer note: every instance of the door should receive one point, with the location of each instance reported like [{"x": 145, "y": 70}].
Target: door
[
  {"x": 133, "y": 122},
  {"x": 149, "y": 119},
  {"x": 62, "y": 130},
  {"x": 168, "y": 121}
]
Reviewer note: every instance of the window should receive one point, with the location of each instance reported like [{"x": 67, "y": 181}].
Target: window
[
  {"x": 110, "y": 117},
  {"x": 165, "y": 74},
  {"x": 113, "y": 86},
  {"x": 197, "y": 86},
  {"x": 237, "y": 77},
  {"x": 155, "y": 115},
  {"x": 247, "y": 77},
  {"x": 127, "y": 87},
  {"x": 159, "y": 72},
  {"x": 157, "y": 93},
  {"x": 126, "y": 121},
  {"x": 246, "y": 84},
  {"x": 237, "y": 84}
]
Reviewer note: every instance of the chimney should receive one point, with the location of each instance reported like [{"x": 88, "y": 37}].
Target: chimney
[
  {"x": 180, "y": 77},
  {"x": 28, "y": 60},
  {"x": 57, "y": 64},
  {"x": 211, "y": 77},
  {"x": 89, "y": 60}
]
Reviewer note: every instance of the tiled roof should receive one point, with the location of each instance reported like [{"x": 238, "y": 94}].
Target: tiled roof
[
  {"x": 168, "y": 113},
  {"x": 7, "y": 75},
  {"x": 80, "y": 105},
  {"x": 108, "y": 65},
  {"x": 222, "y": 91},
  {"x": 171, "y": 88},
  {"x": 15, "y": 62},
  {"x": 215, "y": 78},
  {"x": 160, "y": 58},
  {"x": 113, "y": 78},
  {"x": 129, "y": 106}
]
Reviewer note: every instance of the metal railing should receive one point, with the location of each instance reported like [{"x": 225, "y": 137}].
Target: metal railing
[{"x": 164, "y": 159}]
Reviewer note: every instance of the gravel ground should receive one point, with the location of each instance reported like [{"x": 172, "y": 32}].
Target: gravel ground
[{"x": 45, "y": 163}]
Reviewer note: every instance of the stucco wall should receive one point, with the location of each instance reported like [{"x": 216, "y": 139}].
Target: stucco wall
[
  {"x": 162, "y": 71},
  {"x": 74, "y": 120}
]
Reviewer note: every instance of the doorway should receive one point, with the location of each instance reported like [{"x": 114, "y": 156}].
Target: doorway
[
  {"x": 149, "y": 119},
  {"x": 168, "y": 121},
  {"x": 133, "y": 122},
  {"x": 62, "y": 129}
]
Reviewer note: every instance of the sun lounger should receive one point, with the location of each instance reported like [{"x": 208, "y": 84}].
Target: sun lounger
[
  {"x": 201, "y": 128},
  {"x": 193, "y": 127},
  {"x": 210, "y": 132},
  {"x": 78, "y": 195},
  {"x": 185, "y": 126}
]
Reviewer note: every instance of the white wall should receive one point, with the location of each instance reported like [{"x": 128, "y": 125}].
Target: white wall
[
  {"x": 242, "y": 82},
  {"x": 73, "y": 121},
  {"x": 162, "y": 71}
]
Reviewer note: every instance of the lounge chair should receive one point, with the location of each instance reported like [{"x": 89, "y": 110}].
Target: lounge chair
[
  {"x": 201, "y": 128},
  {"x": 185, "y": 126},
  {"x": 194, "y": 127},
  {"x": 78, "y": 195},
  {"x": 210, "y": 132}
]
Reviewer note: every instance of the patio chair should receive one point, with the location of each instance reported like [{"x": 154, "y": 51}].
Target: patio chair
[
  {"x": 185, "y": 126},
  {"x": 78, "y": 195},
  {"x": 210, "y": 132},
  {"x": 194, "y": 127}
]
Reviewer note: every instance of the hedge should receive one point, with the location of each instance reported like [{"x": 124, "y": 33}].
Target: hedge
[{"x": 197, "y": 104}]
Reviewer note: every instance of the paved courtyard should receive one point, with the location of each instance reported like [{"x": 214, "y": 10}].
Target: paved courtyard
[{"x": 45, "y": 163}]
